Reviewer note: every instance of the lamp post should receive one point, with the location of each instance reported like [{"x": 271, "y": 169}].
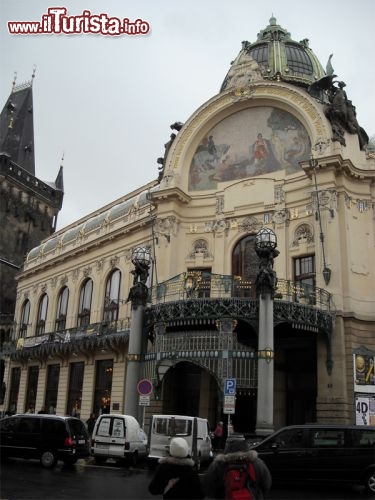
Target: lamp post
[
  {"x": 326, "y": 270},
  {"x": 265, "y": 247},
  {"x": 138, "y": 294}
]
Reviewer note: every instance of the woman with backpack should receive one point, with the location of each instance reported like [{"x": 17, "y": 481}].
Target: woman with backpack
[
  {"x": 238, "y": 473},
  {"x": 175, "y": 476}
]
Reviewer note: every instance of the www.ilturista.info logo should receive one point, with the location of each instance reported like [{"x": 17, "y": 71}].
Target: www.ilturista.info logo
[{"x": 56, "y": 22}]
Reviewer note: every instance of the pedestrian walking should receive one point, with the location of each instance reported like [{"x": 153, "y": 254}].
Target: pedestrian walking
[
  {"x": 218, "y": 436},
  {"x": 90, "y": 422},
  {"x": 175, "y": 476},
  {"x": 227, "y": 469}
]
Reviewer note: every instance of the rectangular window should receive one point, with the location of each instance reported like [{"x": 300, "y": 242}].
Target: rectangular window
[
  {"x": 32, "y": 388},
  {"x": 304, "y": 277},
  {"x": 75, "y": 389},
  {"x": 53, "y": 374},
  {"x": 328, "y": 438}
]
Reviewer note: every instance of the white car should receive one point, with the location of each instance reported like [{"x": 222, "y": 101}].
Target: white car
[{"x": 118, "y": 437}]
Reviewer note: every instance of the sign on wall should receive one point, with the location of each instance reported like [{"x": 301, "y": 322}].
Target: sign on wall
[
  {"x": 364, "y": 409},
  {"x": 364, "y": 370}
]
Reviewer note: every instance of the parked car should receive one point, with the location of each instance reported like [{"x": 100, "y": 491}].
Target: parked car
[
  {"x": 331, "y": 453},
  {"x": 119, "y": 437},
  {"x": 195, "y": 430},
  {"x": 48, "y": 438}
]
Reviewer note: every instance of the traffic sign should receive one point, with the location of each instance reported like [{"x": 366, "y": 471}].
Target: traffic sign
[
  {"x": 229, "y": 387},
  {"x": 144, "y": 387},
  {"x": 144, "y": 400},
  {"x": 229, "y": 404}
]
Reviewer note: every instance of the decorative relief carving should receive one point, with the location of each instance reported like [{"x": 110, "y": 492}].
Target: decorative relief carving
[
  {"x": 99, "y": 264},
  {"x": 219, "y": 204},
  {"x": 86, "y": 271},
  {"x": 114, "y": 261},
  {"x": 200, "y": 247},
  {"x": 250, "y": 225},
  {"x": 281, "y": 216},
  {"x": 303, "y": 234},
  {"x": 75, "y": 275},
  {"x": 279, "y": 195},
  {"x": 63, "y": 280},
  {"x": 166, "y": 227}
]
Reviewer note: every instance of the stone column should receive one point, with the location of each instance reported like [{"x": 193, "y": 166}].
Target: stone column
[
  {"x": 138, "y": 296},
  {"x": 265, "y": 285}
]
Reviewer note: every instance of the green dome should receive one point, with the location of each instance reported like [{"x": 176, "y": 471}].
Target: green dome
[{"x": 274, "y": 56}]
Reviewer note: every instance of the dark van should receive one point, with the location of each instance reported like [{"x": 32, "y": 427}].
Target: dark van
[
  {"x": 319, "y": 453},
  {"x": 48, "y": 438}
]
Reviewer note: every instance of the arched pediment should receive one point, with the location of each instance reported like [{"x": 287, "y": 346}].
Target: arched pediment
[{"x": 261, "y": 129}]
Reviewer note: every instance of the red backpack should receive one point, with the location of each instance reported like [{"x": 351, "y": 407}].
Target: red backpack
[{"x": 239, "y": 481}]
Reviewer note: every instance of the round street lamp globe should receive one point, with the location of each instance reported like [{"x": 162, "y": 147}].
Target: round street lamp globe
[
  {"x": 141, "y": 256},
  {"x": 266, "y": 239}
]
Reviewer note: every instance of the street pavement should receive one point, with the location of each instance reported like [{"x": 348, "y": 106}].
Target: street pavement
[{"x": 27, "y": 480}]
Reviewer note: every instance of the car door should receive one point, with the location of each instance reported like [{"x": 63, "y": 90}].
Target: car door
[
  {"x": 117, "y": 437},
  {"x": 285, "y": 453},
  {"x": 8, "y": 436},
  {"x": 102, "y": 436},
  {"x": 329, "y": 455}
]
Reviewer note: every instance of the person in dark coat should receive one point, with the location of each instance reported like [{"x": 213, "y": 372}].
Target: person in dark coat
[
  {"x": 175, "y": 476},
  {"x": 90, "y": 422},
  {"x": 236, "y": 452}
]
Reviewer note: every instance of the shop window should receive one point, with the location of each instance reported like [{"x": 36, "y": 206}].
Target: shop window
[
  {"x": 53, "y": 375},
  {"x": 14, "y": 389},
  {"x": 75, "y": 389},
  {"x": 103, "y": 386},
  {"x": 32, "y": 388}
]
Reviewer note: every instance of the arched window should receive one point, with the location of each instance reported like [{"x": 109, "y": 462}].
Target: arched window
[
  {"x": 245, "y": 266},
  {"x": 112, "y": 296},
  {"x": 25, "y": 315},
  {"x": 62, "y": 308},
  {"x": 84, "y": 308},
  {"x": 42, "y": 315}
]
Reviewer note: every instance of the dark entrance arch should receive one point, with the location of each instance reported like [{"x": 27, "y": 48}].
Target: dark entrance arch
[{"x": 189, "y": 389}]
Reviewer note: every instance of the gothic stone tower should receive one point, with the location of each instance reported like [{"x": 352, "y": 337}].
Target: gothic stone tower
[{"x": 28, "y": 206}]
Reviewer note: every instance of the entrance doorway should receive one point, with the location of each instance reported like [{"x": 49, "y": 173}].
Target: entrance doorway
[{"x": 191, "y": 390}]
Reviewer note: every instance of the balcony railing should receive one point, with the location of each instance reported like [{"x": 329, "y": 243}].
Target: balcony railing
[
  {"x": 69, "y": 335},
  {"x": 187, "y": 286}
]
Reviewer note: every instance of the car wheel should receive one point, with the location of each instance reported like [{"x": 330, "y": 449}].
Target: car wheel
[
  {"x": 370, "y": 482},
  {"x": 133, "y": 459},
  {"x": 48, "y": 459}
]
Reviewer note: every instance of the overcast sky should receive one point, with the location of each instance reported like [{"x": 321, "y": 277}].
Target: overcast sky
[{"x": 106, "y": 103}]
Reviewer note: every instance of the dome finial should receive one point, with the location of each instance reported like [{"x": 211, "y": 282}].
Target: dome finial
[{"x": 273, "y": 20}]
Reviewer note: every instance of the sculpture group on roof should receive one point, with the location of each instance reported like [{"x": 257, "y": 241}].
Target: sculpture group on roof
[{"x": 339, "y": 110}]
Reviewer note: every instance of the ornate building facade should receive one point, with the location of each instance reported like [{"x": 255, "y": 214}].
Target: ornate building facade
[{"x": 278, "y": 148}]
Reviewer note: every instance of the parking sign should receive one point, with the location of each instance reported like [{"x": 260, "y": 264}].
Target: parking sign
[{"x": 229, "y": 387}]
